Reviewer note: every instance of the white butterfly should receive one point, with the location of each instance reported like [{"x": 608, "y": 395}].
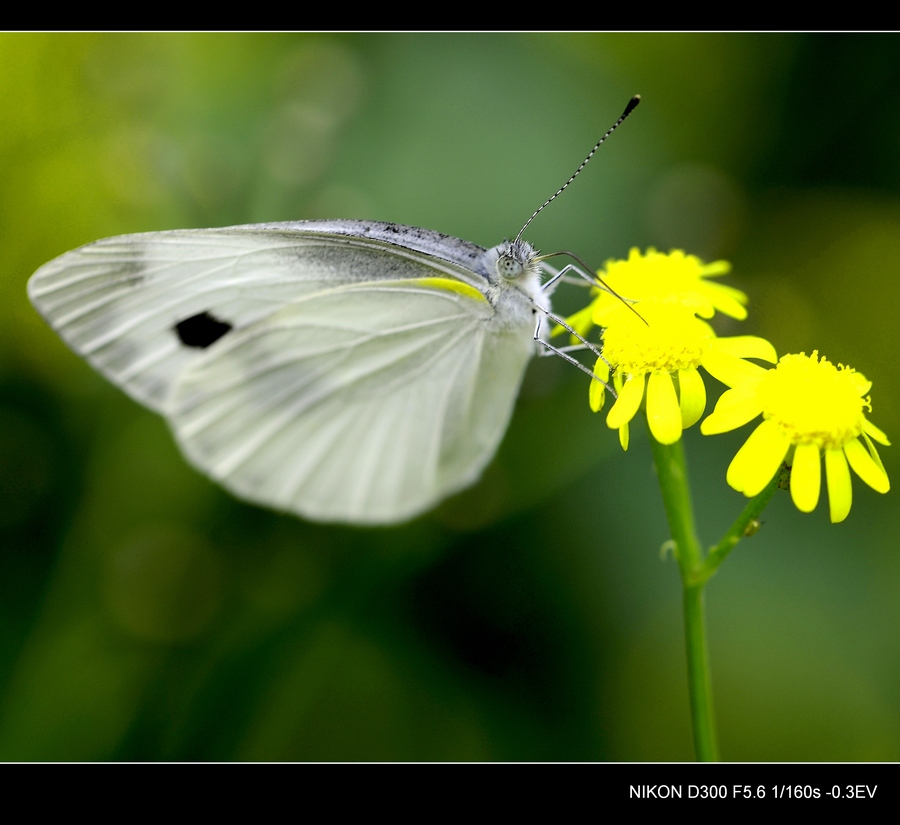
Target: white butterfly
[
  {"x": 342, "y": 370},
  {"x": 347, "y": 371}
]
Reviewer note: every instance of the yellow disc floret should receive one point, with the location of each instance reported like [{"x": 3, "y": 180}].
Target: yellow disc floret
[
  {"x": 658, "y": 335},
  {"x": 814, "y": 401}
]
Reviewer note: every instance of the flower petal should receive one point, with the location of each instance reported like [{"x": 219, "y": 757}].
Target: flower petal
[
  {"x": 875, "y": 433},
  {"x": 726, "y": 304},
  {"x": 714, "y": 288},
  {"x": 701, "y": 305},
  {"x": 717, "y": 268},
  {"x": 598, "y": 390},
  {"x": 806, "y": 477},
  {"x": 747, "y": 346},
  {"x": 734, "y": 409},
  {"x": 624, "y": 436},
  {"x": 840, "y": 491},
  {"x": 873, "y": 452},
  {"x": 691, "y": 397},
  {"x": 628, "y": 402},
  {"x": 758, "y": 460},
  {"x": 663, "y": 412},
  {"x": 730, "y": 370},
  {"x": 861, "y": 383},
  {"x": 866, "y": 467}
]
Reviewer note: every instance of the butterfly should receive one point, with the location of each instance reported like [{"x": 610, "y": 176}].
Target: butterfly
[{"x": 345, "y": 371}]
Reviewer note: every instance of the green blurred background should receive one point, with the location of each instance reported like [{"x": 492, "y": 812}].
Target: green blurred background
[{"x": 147, "y": 615}]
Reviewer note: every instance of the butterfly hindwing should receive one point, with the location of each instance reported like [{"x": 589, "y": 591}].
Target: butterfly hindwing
[{"x": 365, "y": 403}]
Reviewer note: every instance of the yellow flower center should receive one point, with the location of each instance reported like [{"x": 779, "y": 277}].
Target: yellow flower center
[
  {"x": 814, "y": 401},
  {"x": 671, "y": 339}
]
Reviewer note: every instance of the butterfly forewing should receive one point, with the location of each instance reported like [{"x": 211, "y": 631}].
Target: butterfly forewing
[{"x": 140, "y": 308}]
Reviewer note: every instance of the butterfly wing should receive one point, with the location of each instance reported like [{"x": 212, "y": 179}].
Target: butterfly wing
[
  {"x": 365, "y": 403},
  {"x": 140, "y": 308}
]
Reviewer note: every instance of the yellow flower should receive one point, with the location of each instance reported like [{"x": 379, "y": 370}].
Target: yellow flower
[
  {"x": 665, "y": 341},
  {"x": 811, "y": 407},
  {"x": 663, "y": 276}
]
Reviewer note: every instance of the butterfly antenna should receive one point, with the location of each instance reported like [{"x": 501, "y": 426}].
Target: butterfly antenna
[{"x": 632, "y": 104}]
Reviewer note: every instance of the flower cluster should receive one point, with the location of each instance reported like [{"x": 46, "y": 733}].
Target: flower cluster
[{"x": 655, "y": 341}]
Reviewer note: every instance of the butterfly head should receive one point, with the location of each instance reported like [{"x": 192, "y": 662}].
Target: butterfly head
[{"x": 512, "y": 262}]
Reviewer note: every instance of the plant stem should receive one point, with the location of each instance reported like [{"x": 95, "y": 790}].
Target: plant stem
[
  {"x": 735, "y": 533},
  {"x": 671, "y": 470},
  {"x": 699, "y": 683}
]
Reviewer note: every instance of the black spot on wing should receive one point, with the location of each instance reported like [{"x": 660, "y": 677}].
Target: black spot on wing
[{"x": 201, "y": 330}]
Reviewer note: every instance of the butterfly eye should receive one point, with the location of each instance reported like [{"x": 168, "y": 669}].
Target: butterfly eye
[{"x": 509, "y": 267}]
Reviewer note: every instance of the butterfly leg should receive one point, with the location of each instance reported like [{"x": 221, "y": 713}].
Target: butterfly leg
[
  {"x": 583, "y": 278},
  {"x": 568, "y": 328},
  {"x": 563, "y": 352},
  {"x": 594, "y": 280}
]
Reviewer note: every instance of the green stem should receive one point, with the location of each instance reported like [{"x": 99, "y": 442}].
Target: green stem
[
  {"x": 741, "y": 527},
  {"x": 699, "y": 682},
  {"x": 671, "y": 470}
]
